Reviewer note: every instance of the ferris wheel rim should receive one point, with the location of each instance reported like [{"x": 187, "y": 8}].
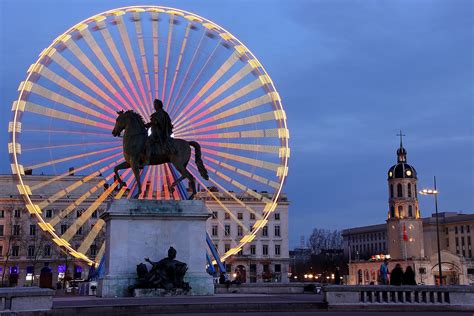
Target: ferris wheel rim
[{"x": 17, "y": 167}]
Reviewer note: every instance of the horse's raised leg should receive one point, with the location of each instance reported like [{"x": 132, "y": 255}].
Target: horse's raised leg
[
  {"x": 123, "y": 165},
  {"x": 136, "y": 172}
]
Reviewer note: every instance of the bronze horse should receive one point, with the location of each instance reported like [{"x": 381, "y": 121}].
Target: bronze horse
[{"x": 134, "y": 142}]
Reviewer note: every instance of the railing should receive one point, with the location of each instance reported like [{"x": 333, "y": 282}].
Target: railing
[{"x": 386, "y": 296}]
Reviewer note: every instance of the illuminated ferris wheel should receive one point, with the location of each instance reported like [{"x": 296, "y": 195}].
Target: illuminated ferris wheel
[{"x": 213, "y": 87}]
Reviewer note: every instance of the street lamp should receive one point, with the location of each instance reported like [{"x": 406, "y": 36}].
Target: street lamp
[{"x": 435, "y": 192}]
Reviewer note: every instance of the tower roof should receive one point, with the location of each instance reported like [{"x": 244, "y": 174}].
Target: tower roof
[{"x": 402, "y": 169}]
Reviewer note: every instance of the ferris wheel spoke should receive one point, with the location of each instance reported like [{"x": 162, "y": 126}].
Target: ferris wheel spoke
[
  {"x": 242, "y": 159},
  {"x": 214, "y": 78},
  {"x": 56, "y": 97},
  {"x": 74, "y": 157},
  {"x": 141, "y": 46},
  {"x": 91, "y": 236},
  {"x": 92, "y": 43},
  {"x": 178, "y": 64},
  {"x": 196, "y": 78},
  {"x": 45, "y": 111},
  {"x": 128, "y": 177},
  {"x": 76, "y": 169},
  {"x": 232, "y": 97},
  {"x": 118, "y": 59},
  {"x": 247, "y": 147},
  {"x": 218, "y": 201},
  {"x": 82, "y": 144},
  {"x": 131, "y": 57},
  {"x": 259, "y": 133},
  {"x": 253, "y": 119},
  {"x": 220, "y": 89},
  {"x": 168, "y": 49},
  {"x": 250, "y": 175},
  {"x": 71, "y": 231},
  {"x": 76, "y": 73},
  {"x": 63, "y": 83},
  {"x": 154, "y": 24},
  {"x": 56, "y": 196},
  {"x": 86, "y": 61},
  {"x": 145, "y": 183},
  {"x": 100, "y": 254},
  {"x": 72, "y": 206},
  {"x": 152, "y": 183},
  {"x": 170, "y": 179},
  {"x": 185, "y": 78},
  {"x": 64, "y": 131}
]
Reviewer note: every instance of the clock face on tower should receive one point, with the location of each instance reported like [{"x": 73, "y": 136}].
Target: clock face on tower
[
  {"x": 390, "y": 174},
  {"x": 408, "y": 172}
]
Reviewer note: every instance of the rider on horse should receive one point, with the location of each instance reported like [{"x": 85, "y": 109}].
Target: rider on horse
[{"x": 161, "y": 130}]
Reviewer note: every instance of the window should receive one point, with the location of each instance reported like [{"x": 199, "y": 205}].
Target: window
[
  {"x": 16, "y": 230},
  {"x": 47, "y": 251},
  {"x": 240, "y": 216},
  {"x": 252, "y": 216},
  {"x": 93, "y": 250},
  {"x": 468, "y": 228},
  {"x": 468, "y": 240},
  {"x": 400, "y": 211},
  {"x": 253, "y": 249},
  {"x": 277, "y": 250},
  {"x": 399, "y": 190},
  {"x": 265, "y": 231},
  {"x": 2, "y": 213},
  {"x": 49, "y": 213},
  {"x": 277, "y": 216},
  {"x": 1, "y": 251},
  {"x": 214, "y": 230},
  {"x": 1, "y": 230},
  {"x": 227, "y": 230},
  {"x": 409, "y": 189},
  {"x": 455, "y": 229},
  {"x": 15, "y": 251},
  {"x": 277, "y": 231},
  {"x": 266, "y": 268},
  {"x": 31, "y": 251},
  {"x": 63, "y": 228},
  {"x": 227, "y": 216},
  {"x": 410, "y": 211},
  {"x": 265, "y": 250},
  {"x": 214, "y": 215},
  {"x": 226, "y": 247},
  {"x": 240, "y": 231},
  {"x": 94, "y": 214},
  {"x": 392, "y": 212},
  {"x": 391, "y": 190},
  {"x": 447, "y": 242},
  {"x": 32, "y": 230},
  {"x": 17, "y": 213},
  {"x": 277, "y": 267}
]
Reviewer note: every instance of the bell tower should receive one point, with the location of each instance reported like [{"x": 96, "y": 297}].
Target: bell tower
[{"x": 404, "y": 225}]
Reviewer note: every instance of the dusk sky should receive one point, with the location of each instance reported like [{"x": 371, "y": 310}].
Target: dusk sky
[{"x": 351, "y": 74}]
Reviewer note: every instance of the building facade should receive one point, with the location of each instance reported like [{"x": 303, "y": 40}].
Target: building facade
[
  {"x": 25, "y": 248},
  {"x": 407, "y": 239}
]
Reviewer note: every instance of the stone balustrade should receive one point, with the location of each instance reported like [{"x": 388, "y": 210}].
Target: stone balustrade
[
  {"x": 381, "y": 297},
  {"x": 20, "y": 299}
]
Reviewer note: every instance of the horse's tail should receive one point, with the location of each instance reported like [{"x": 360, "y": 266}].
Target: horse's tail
[{"x": 198, "y": 159}]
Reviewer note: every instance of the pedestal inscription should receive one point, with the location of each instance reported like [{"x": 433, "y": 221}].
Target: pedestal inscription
[{"x": 136, "y": 229}]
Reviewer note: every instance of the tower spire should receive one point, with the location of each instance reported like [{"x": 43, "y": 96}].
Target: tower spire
[{"x": 401, "y": 152}]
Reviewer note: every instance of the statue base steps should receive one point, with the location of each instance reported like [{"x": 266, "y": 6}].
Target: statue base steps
[
  {"x": 158, "y": 292},
  {"x": 136, "y": 229}
]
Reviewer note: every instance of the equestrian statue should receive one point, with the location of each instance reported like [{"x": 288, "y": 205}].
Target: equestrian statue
[{"x": 140, "y": 150}]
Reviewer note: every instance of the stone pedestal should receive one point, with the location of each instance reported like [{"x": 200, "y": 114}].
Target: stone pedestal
[{"x": 136, "y": 229}]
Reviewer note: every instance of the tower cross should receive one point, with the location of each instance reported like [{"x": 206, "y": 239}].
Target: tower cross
[{"x": 401, "y": 136}]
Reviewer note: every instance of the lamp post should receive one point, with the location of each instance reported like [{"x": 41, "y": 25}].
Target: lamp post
[{"x": 435, "y": 193}]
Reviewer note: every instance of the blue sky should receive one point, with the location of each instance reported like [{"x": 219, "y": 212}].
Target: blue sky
[{"x": 350, "y": 74}]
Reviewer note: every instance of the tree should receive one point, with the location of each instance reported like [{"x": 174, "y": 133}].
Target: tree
[{"x": 324, "y": 239}]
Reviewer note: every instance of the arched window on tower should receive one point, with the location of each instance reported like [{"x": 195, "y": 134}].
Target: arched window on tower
[
  {"x": 416, "y": 192},
  {"x": 410, "y": 211},
  {"x": 392, "y": 212},
  {"x": 399, "y": 190},
  {"x": 391, "y": 191},
  {"x": 409, "y": 190},
  {"x": 400, "y": 211}
]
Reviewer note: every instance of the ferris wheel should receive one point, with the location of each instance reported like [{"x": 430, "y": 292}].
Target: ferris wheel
[{"x": 215, "y": 90}]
